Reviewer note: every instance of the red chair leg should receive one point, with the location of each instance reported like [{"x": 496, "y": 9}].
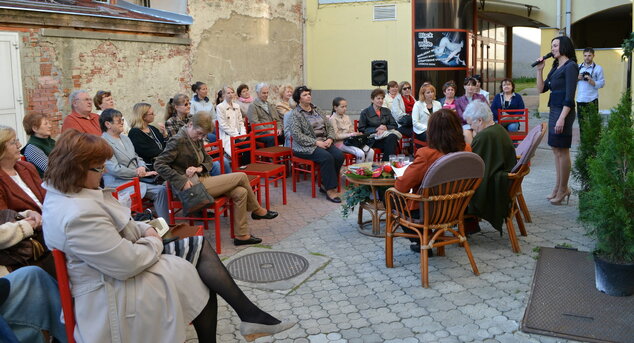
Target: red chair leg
[
  {"x": 217, "y": 215},
  {"x": 284, "y": 188}
]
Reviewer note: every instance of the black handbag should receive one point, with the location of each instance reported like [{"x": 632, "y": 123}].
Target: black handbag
[
  {"x": 406, "y": 120},
  {"x": 356, "y": 141},
  {"x": 195, "y": 198},
  {"x": 154, "y": 180}
]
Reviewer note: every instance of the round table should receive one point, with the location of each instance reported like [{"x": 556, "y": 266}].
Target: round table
[{"x": 374, "y": 206}]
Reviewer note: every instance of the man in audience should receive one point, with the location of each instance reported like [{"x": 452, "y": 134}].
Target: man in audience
[
  {"x": 81, "y": 118},
  {"x": 263, "y": 111}
]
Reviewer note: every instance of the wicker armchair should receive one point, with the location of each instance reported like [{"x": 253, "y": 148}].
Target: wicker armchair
[{"x": 440, "y": 201}]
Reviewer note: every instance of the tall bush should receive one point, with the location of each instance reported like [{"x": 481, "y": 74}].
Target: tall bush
[
  {"x": 610, "y": 195},
  {"x": 591, "y": 126}
]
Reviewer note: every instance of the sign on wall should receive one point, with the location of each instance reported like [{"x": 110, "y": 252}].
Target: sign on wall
[{"x": 440, "y": 49}]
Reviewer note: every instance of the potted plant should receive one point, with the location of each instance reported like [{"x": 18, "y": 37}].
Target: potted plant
[{"x": 609, "y": 202}]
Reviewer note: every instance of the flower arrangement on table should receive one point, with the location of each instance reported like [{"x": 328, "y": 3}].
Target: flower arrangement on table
[{"x": 369, "y": 170}]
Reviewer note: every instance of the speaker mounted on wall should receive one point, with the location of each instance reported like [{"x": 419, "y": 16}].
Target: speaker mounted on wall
[{"x": 379, "y": 73}]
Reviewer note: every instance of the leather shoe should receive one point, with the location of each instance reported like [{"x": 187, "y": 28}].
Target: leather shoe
[
  {"x": 268, "y": 215},
  {"x": 332, "y": 195},
  {"x": 252, "y": 240},
  {"x": 252, "y": 331}
]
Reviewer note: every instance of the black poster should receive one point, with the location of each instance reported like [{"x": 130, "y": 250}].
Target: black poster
[{"x": 440, "y": 49}]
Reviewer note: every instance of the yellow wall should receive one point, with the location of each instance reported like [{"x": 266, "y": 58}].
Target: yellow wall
[{"x": 342, "y": 40}]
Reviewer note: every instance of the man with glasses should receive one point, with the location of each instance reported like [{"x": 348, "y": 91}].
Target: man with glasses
[{"x": 81, "y": 118}]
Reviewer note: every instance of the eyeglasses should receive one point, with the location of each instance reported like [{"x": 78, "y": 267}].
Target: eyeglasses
[
  {"x": 98, "y": 170},
  {"x": 15, "y": 142},
  {"x": 407, "y": 88}
]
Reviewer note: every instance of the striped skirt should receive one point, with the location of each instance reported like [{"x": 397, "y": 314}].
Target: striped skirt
[{"x": 188, "y": 248}]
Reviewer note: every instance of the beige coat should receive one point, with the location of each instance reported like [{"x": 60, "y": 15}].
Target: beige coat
[{"x": 125, "y": 290}]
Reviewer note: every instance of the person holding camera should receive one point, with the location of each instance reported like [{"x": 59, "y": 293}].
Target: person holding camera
[{"x": 590, "y": 79}]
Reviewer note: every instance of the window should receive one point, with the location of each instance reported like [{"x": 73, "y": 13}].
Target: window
[{"x": 384, "y": 12}]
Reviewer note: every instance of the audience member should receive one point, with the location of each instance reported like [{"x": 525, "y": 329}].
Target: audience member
[
  {"x": 470, "y": 95},
  {"x": 200, "y": 100},
  {"x": 313, "y": 138},
  {"x": 176, "y": 113},
  {"x": 423, "y": 108},
  {"x": 444, "y": 136},
  {"x": 103, "y": 101},
  {"x": 30, "y": 303},
  {"x": 379, "y": 121},
  {"x": 507, "y": 99},
  {"x": 230, "y": 121},
  {"x": 81, "y": 117},
  {"x": 284, "y": 105},
  {"x": 128, "y": 286},
  {"x": 148, "y": 141},
  {"x": 479, "y": 89},
  {"x": 14, "y": 232},
  {"x": 40, "y": 143},
  {"x": 185, "y": 162},
  {"x": 344, "y": 128},
  {"x": 262, "y": 111},
  {"x": 244, "y": 100},
  {"x": 392, "y": 93},
  {"x": 449, "y": 92},
  {"x": 20, "y": 189},
  {"x": 125, "y": 164},
  {"x": 402, "y": 107},
  {"x": 491, "y": 142}
]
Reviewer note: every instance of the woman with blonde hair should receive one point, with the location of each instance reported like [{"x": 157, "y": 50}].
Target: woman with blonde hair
[
  {"x": 423, "y": 108},
  {"x": 176, "y": 113},
  {"x": 284, "y": 105},
  {"x": 148, "y": 141}
]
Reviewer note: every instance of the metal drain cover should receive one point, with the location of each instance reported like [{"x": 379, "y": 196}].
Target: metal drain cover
[{"x": 267, "y": 266}]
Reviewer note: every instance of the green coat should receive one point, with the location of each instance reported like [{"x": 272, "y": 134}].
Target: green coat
[{"x": 491, "y": 200}]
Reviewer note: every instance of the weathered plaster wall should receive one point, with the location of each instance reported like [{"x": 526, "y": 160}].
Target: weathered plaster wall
[
  {"x": 246, "y": 41},
  {"x": 53, "y": 67}
]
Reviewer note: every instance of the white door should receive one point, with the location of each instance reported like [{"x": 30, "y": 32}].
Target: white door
[{"x": 11, "y": 109}]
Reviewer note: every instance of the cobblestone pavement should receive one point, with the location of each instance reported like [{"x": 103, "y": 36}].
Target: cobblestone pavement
[{"x": 356, "y": 298}]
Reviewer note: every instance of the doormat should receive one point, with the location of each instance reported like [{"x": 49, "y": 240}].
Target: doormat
[
  {"x": 564, "y": 302},
  {"x": 271, "y": 270}
]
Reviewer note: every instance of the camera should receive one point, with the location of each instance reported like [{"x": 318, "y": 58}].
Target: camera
[{"x": 585, "y": 75}]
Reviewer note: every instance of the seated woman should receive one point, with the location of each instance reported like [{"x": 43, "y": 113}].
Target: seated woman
[
  {"x": 492, "y": 143},
  {"x": 127, "y": 285},
  {"x": 402, "y": 107},
  {"x": 343, "y": 127},
  {"x": 423, "y": 108},
  {"x": 13, "y": 232},
  {"x": 378, "y": 120},
  {"x": 449, "y": 92},
  {"x": 444, "y": 136},
  {"x": 125, "y": 164},
  {"x": 313, "y": 137},
  {"x": 40, "y": 143},
  {"x": 471, "y": 94},
  {"x": 148, "y": 140},
  {"x": 20, "y": 184},
  {"x": 176, "y": 113},
  {"x": 103, "y": 100},
  {"x": 392, "y": 93},
  {"x": 184, "y": 162},
  {"x": 230, "y": 122},
  {"x": 507, "y": 99},
  {"x": 30, "y": 303},
  {"x": 200, "y": 100}
]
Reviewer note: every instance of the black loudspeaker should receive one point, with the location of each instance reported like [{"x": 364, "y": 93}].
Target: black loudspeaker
[{"x": 379, "y": 73}]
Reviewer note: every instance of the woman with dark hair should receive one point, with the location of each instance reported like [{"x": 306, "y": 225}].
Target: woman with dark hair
[
  {"x": 244, "y": 99},
  {"x": 479, "y": 89},
  {"x": 444, "y": 136},
  {"x": 127, "y": 285},
  {"x": 562, "y": 83},
  {"x": 200, "y": 100},
  {"x": 402, "y": 108},
  {"x": 176, "y": 113},
  {"x": 392, "y": 93},
  {"x": 40, "y": 143},
  {"x": 378, "y": 120},
  {"x": 470, "y": 95},
  {"x": 449, "y": 92},
  {"x": 313, "y": 138},
  {"x": 507, "y": 99},
  {"x": 344, "y": 128},
  {"x": 103, "y": 101}
]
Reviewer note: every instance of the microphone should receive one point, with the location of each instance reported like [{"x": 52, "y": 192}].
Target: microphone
[{"x": 545, "y": 57}]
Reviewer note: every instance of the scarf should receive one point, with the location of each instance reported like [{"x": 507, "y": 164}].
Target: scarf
[
  {"x": 409, "y": 104},
  {"x": 246, "y": 100},
  {"x": 44, "y": 144}
]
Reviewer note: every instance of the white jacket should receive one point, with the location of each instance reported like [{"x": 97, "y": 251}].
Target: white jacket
[
  {"x": 420, "y": 115},
  {"x": 230, "y": 123}
]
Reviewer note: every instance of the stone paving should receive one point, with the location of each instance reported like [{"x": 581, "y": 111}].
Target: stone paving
[{"x": 356, "y": 298}]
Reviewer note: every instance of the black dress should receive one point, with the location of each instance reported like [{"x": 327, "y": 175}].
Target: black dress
[
  {"x": 562, "y": 83},
  {"x": 147, "y": 145}
]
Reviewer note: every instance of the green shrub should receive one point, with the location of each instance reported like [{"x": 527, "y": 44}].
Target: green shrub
[{"x": 590, "y": 134}]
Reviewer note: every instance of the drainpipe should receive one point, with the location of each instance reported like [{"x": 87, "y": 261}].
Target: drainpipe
[
  {"x": 558, "y": 15},
  {"x": 304, "y": 44},
  {"x": 568, "y": 9}
]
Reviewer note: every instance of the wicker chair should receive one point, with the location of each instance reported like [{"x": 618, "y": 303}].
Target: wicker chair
[{"x": 441, "y": 201}]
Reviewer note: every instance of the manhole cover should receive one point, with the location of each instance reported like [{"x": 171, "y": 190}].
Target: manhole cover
[{"x": 267, "y": 266}]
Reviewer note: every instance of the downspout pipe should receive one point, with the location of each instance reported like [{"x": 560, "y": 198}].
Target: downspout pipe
[
  {"x": 568, "y": 9},
  {"x": 558, "y": 15}
]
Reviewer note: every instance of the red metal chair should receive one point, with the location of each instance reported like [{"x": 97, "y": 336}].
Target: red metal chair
[
  {"x": 276, "y": 154},
  {"x": 219, "y": 207},
  {"x": 270, "y": 173},
  {"x": 136, "y": 202},
  {"x": 64, "y": 293},
  {"x": 519, "y": 116}
]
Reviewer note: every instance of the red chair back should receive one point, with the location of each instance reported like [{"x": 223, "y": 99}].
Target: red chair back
[
  {"x": 136, "y": 201},
  {"x": 246, "y": 124},
  {"x": 356, "y": 125},
  {"x": 515, "y": 116},
  {"x": 238, "y": 148},
  {"x": 65, "y": 294},
  {"x": 217, "y": 130},
  {"x": 262, "y": 130},
  {"x": 217, "y": 153}
]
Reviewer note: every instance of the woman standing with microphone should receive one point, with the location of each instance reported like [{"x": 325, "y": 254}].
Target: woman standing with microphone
[{"x": 562, "y": 83}]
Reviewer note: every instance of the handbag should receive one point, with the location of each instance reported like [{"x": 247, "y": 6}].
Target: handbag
[
  {"x": 356, "y": 141},
  {"x": 406, "y": 120},
  {"x": 27, "y": 251},
  {"x": 195, "y": 198},
  {"x": 153, "y": 180}
]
